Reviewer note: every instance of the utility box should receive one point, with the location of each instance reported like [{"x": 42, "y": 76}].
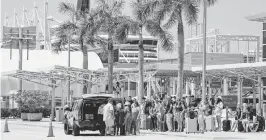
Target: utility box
[{"x": 59, "y": 113}]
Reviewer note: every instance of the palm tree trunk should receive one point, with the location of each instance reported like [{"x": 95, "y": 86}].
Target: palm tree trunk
[
  {"x": 180, "y": 36},
  {"x": 85, "y": 63},
  {"x": 110, "y": 64},
  {"x": 140, "y": 63}
]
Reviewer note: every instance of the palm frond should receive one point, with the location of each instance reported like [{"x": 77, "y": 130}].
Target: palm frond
[
  {"x": 165, "y": 38},
  {"x": 163, "y": 10},
  {"x": 67, "y": 8},
  {"x": 117, "y": 7},
  {"x": 149, "y": 7},
  {"x": 190, "y": 11},
  {"x": 126, "y": 26},
  {"x": 174, "y": 17}
]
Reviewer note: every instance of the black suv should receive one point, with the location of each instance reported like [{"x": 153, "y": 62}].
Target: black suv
[{"x": 84, "y": 114}]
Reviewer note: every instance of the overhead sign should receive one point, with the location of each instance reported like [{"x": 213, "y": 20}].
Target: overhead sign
[
  {"x": 215, "y": 85},
  {"x": 13, "y": 32},
  {"x": 230, "y": 101}
]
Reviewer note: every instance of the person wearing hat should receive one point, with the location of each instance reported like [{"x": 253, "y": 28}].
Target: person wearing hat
[
  {"x": 128, "y": 117},
  {"x": 218, "y": 112}
]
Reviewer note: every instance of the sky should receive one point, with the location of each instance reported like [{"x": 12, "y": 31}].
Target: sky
[{"x": 227, "y": 15}]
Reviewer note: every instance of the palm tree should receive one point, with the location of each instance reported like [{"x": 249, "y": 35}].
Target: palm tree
[
  {"x": 84, "y": 25},
  {"x": 136, "y": 26},
  {"x": 112, "y": 16},
  {"x": 179, "y": 11}
]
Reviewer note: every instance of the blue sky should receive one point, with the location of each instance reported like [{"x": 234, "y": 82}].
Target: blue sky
[{"x": 226, "y": 15}]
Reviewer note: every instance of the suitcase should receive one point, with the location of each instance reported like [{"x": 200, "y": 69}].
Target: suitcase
[
  {"x": 122, "y": 130},
  {"x": 148, "y": 123},
  {"x": 240, "y": 126},
  {"x": 191, "y": 125},
  {"x": 210, "y": 123},
  {"x": 226, "y": 125}
]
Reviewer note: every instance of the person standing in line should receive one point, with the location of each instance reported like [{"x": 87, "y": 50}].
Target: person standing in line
[
  {"x": 135, "y": 118},
  {"x": 159, "y": 113},
  {"x": 118, "y": 120},
  {"x": 153, "y": 116},
  {"x": 169, "y": 114},
  {"x": 108, "y": 116},
  {"x": 130, "y": 100},
  {"x": 201, "y": 118},
  {"x": 128, "y": 118},
  {"x": 143, "y": 116},
  {"x": 238, "y": 117},
  {"x": 218, "y": 112}
]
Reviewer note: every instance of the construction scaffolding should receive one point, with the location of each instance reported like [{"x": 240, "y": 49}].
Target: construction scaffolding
[{"x": 219, "y": 43}]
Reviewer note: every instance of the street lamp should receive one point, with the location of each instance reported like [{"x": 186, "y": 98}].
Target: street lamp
[{"x": 204, "y": 51}]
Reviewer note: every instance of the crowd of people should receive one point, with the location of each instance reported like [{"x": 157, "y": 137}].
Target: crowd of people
[{"x": 160, "y": 113}]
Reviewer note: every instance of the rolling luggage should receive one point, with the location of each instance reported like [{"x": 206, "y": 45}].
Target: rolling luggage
[
  {"x": 261, "y": 121},
  {"x": 148, "y": 123},
  {"x": 240, "y": 126},
  {"x": 191, "y": 125},
  {"x": 210, "y": 123},
  {"x": 226, "y": 125},
  {"x": 122, "y": 130}
]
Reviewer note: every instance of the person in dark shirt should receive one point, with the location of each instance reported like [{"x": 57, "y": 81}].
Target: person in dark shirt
[
  {"x": 169, "y": 114},
  {"x": 130, "y": 100}
]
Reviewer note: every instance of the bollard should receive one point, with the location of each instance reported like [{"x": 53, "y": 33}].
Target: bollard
[
  {"x": 50, "y": 132},
  {"x": 6, "y": 127}
]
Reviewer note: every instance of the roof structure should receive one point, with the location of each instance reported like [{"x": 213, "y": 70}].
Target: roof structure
[
  {"x": 258, "y": 17},
  {"x": 246, "y": 70}
]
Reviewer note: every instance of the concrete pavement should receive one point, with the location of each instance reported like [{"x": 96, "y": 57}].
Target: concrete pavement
[
  {"x": 31, "y": 132},
  {"x": 207, "y": 135}
]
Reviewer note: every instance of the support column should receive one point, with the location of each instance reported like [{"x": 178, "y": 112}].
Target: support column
[
  {"x": 53, "y": 101},
  {"x": 187, "y": 91},
  {"x": 193, "y": 86},
  {"x": 128, "y": 88},
  {"x": 225, "y": 86},
  {"x": 210, "y": 89},
  {"x": 174, "y": 87},
  {"x": 89, "y": 87},
  {"x": 239, "y": 92},
  {"x": 260, "y": 96},
  {"x": 149, "y": 90}
]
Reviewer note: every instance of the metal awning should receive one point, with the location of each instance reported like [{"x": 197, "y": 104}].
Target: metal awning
[{"x": 246, "y": 70}]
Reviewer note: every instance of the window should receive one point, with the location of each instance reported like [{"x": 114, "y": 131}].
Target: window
[
  {"x": 264, "y": 37},
  {"x": 264, "y": 52},
  {"x": 264, "y": 26}
]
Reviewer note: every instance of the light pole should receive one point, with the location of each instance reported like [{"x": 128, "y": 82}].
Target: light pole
[{"x": 204, "y": 51}]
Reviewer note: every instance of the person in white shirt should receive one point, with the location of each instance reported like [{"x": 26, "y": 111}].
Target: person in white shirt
[
  {"x": 108, "y": 116},
  {"x": 218, "y": 111}
]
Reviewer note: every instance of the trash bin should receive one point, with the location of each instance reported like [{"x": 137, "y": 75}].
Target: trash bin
[{"x": 59, "y": 114}]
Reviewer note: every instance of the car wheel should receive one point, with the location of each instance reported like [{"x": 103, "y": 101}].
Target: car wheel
[
  {"x": 66, "y": 129},
  {"x": 76, "y": 130},
  {"x": 102, "y": 132}
]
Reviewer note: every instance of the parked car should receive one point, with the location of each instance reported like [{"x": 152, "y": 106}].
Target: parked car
[{"x": 83, "y": 115}]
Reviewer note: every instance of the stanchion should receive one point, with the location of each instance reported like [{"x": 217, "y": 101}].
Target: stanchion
[
  {"x": 6, "y": 127},
  {"x": 50, "y": 132}
]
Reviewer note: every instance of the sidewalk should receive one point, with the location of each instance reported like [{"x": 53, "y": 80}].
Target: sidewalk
[
  {"x": 213, "y": 135},
  {"x": 208, "y": 135}
]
